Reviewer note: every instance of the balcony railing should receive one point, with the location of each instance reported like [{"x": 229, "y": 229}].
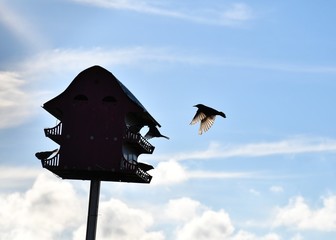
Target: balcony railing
[
  {"x": 127, "y": 165},
  {"x": 51, "y": 162},
  {"x": 142, "y": 174},
  {"x": 133, "y": 167},
  {"x": 140, "y": 140},
  {"x": 54, "y": 133}
]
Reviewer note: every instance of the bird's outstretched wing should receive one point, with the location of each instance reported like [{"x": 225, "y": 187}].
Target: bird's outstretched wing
[
  {"x": 206, "y": 124},
  {"x": 199, "y": 116}
]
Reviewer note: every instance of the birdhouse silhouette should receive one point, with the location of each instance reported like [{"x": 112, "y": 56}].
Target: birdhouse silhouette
[{"x": 98, "y": 130}]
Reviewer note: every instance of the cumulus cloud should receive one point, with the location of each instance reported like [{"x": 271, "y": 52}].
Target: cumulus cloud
[
  {"x": 243, "y": 235},
  {"x": 119, "y": 221},
  {"x": 173, "y": 172},
  {"x": 298, "y": 214},
  {"x": 57, "y": 209},
  {"x": 49, "y": 210},
  {"x": 169, "y": 172},
  {"x": 197, "y": 221},
  {"x": 210, "y": 225},
  {"x": 183, "y": 209},
  {"x": 297, "y": 237}
]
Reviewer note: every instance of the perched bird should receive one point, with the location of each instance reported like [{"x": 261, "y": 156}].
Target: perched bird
[
  {"x": 45, "y": 155},
  {"x": 154, "y": 132},
  {"x": 207, "y": 117}
]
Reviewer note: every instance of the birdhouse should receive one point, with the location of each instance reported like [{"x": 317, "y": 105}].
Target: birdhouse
[{"x": 98, "y": 131}]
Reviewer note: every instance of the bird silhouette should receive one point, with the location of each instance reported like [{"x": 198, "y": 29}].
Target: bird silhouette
[
  {"x": 153, "y": 132},
  {"x": 45, "y": 155},
  {"x": 206, "y": 115}
]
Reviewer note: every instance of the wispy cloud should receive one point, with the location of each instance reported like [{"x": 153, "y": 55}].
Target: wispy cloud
[
  {"x": 15, "y": 102},
  {"x": 276, "y": 189},
  {"x": 20, "y": 93},
  {"x": 16, "y": 97},
  {"x": 228, "y": 15},
  {"x": 288, "y": 146},
  {"x": 75, "y": 59},
  {"x": 21, "y": 27}
]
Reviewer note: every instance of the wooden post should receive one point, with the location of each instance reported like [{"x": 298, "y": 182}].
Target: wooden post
[{"x": 93, "y": 210}]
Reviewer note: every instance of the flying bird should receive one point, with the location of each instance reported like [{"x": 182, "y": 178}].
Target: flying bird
[
  {"x": 45, "y": 155},
  {"x": 207, "y": 117},
  {"x": 154, "y": 132}
]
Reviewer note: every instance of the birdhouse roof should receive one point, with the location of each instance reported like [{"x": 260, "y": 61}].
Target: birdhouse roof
[{"x": 54, "y": 106}]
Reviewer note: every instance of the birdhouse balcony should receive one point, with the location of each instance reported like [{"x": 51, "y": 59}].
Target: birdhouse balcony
[
  {"x": 51, "y": 162},
  {"x": 138, "y": 141},
  {"x": 128, "y": 172},
  {"x": 135, "y": 172},
  {"x": 54, "y": 133}
]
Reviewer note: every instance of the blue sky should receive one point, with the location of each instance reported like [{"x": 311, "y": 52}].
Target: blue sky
[{"x": 266, "y": 172}]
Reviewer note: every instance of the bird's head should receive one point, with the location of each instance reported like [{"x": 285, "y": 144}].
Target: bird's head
[
  {"x": 222, "y": 114},
  {"x": 198, "y": 105}
]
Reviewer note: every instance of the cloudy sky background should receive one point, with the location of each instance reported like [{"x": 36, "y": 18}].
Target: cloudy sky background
[{"x": 266, "y": 172}]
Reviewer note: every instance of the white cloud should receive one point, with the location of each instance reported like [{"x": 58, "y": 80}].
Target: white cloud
[
  {"x": 297, "y": 237},
  {"x": 210, "y": 225},
  {"x": 228, "y": 15},
  {"x": 29, "y": 81},
  {"x": 288, "y": 146},
  {"x": 299, "y": 215},
  {"x": 77, "y": 59},
  {"x": 15, "y": 102},
  {"x": 119, "y": 221},
  {"x": 56, "y": 209},
  {"x": 197, "y": 221},
  {"x": 254, "y": 192},
  {"x": 173, "y": 172},
  {"x": 47, "y": 210},
  {"x": 17, "y": 177},
  {"x": 238, "y": 12},
  {"x": 21, "y": 27},
  {"x": 169, "y": 172},
  {"x": 183, "y": 209},
  {"x": 22, "y": 88},
  {"x": 276, "y": 189},
  {"x": 243, "y": 235}
]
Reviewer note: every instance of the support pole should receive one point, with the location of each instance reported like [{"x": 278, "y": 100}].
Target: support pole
[{"x": 93, "y": 210}]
